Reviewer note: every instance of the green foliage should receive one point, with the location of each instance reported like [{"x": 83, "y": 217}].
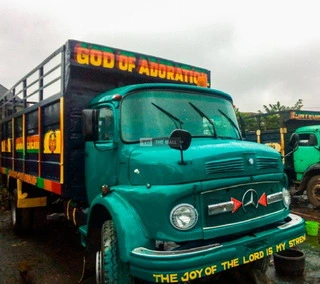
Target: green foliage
[
  {"x": 269, "y": 118},
  {"x": 278, "y": 107}
]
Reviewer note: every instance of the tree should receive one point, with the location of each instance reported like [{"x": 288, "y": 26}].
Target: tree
[
  {"x": 278, "y": 107},
  {"x": 269, "y": 118}
]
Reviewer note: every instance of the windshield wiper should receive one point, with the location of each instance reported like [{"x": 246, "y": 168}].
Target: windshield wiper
[
  {"x": 173, "y": 118},
  {"x": 203, "y": 115},
  {"x": 231, "y": 122}
]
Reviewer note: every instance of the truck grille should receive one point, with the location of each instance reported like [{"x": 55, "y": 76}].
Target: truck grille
[
  {"x": 222, "y": 166},
  {"x": 240, "y": 204},
  {"x": 267, "y": 163}
]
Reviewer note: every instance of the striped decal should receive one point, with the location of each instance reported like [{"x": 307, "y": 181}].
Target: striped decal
[
  {"x": 49, "y": 185},
  {"x": 52, "y": 186}
]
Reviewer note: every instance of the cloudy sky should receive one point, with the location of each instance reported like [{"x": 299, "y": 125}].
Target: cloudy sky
[{"x": 258, "y": 51}]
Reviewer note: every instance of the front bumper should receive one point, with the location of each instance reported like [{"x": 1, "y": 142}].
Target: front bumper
[{"x": 185, "y": 265}]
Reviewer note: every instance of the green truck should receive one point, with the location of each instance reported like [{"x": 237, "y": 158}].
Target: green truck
[
  {"x": 147, "y": 161},
  {"x": 297, "y": 139}
]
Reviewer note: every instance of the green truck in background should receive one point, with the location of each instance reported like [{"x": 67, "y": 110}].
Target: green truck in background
[
  {"x": 147, "y": 161},
  {"x": 298, "y": 140}
]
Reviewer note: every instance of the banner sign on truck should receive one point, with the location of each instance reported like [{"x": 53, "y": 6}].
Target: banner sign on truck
[{"x": 137, "y": 64}]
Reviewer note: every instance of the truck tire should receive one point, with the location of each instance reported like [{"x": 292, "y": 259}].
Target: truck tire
[
  {"x": 21, "y": 218},
  {"x": 109, "y": 269},
  {"x": 313, "y": 191}
]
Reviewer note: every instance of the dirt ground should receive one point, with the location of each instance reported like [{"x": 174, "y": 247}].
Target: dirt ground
[
  {"x": 47, "y": 256},
  {"x": 53, "y": 254}
]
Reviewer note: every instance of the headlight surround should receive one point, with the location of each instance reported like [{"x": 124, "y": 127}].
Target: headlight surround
[
  {"x": 286, "y": 197},
  {"x": 184, "y": 216}
]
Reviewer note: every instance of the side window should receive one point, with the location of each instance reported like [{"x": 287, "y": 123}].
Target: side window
[
  {"x": 307, "y": 140},
  {"x": 106, "y": 124}
]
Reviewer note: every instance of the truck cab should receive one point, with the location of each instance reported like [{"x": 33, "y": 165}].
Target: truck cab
[
  {"x": 306, "y": 161},
  {"x": 185, "y": 194}
]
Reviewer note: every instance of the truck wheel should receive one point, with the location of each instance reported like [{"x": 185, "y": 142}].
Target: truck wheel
[
  {"x": 21, "y": 218},
  {"x": 109, "y": 269},
  {"x": 313, "y": 191}
]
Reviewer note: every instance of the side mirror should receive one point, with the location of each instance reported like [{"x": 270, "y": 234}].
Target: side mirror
[
  {"x": 90, "y": 124},
  {"x": 180, "y": 140}
]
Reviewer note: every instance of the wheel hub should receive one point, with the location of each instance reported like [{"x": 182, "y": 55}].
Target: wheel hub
[{"x": 99, "y": 271}]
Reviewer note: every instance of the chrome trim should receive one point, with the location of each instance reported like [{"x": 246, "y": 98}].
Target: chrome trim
[
  {"x": 149, "y": 252},
  {"x": 276, "y": 197},
  {"x": 295, "y": 219},
  {"x": 237, "y": 185},
  {"x": 253, "y": 199},
  {"x": 215, "y": 209},
  {"x": 246, "y": 221},
  {"x": 224, "y": 207}
]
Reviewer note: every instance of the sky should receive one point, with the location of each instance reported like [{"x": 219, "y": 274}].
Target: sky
[{"x": 259, "y": 51}]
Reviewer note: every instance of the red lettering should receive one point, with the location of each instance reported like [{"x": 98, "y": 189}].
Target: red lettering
[
  {"x": 131, "y": 63},
  {"x": 179, "y": 75},
  {"x": 162, "y": 71},
  {"x": 170, "y": 72},
  {"x": 153, "y": 69},
  {"x": 122, "y": 63},
  {"x": 82, "y": 55},
  {"x": 108, "y": 60},
  {"x": 186, "y": 74},
  {"x": 95, "y": 57},
  {"x": 195, "y": 77},
  {"x": 143, "y": 67}
]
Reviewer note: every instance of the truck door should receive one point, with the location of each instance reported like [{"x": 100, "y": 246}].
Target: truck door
[
  {"x": 101, "y": 160},
  {"x": 306, "y": 154}
]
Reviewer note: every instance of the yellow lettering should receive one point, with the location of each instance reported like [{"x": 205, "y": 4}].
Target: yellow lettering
[
  {"x": 108, "y": 60},
  {"x": 162, "y": 71},
  {"x": 82, "y": 55},
  {"x": 280, "y": 247},
  {"x": 186, "y": 74},
  {"x": 170, "y": 72},
  {"x": 193, "y": 275},
  {"x": 143, "y": 67},
  {"x": 269, "y": 251},
  {"x": 185, "y": 277},
  {"x": 122, "y": 62},
  {"x": 173, "y": 278},
  {"x": 161, "y": 278},
  {"x": 253, "y": 256},
  {"x": 229, "y": 264},
  {"x": 195, "y": 77},
  {"x": 297, "y": 241},
  {"x": 207, "y": 271},
  {"x": 179, "y": 75},
  {"x": 157, "y": 277},
  {"x": 95, "y": 57},
  {"x": 131, "y": 63},
  {"x": 153, "y": 69}
]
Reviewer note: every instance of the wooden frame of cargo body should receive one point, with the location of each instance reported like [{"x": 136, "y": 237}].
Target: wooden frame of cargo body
[{"x": 41, "y": 140}]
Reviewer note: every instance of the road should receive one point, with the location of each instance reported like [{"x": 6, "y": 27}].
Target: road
[
  {"x": 53, "y": 254},
  {"x": 50, "y": 255}
]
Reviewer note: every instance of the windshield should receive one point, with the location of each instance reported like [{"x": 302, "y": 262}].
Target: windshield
[{"x": 156, "y": 113}]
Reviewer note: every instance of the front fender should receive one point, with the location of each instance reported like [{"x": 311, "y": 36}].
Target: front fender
[{"x": 131, "y": 232}]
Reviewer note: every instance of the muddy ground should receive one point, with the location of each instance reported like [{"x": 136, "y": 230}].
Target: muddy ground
[
  {"x": 53, "y": 254},
  {"x": 50, "y": 255}
]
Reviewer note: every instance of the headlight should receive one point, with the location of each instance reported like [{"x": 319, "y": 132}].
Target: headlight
[
  {"x": 183, "y": 216},
  {"x": 286, "y": 197}
]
